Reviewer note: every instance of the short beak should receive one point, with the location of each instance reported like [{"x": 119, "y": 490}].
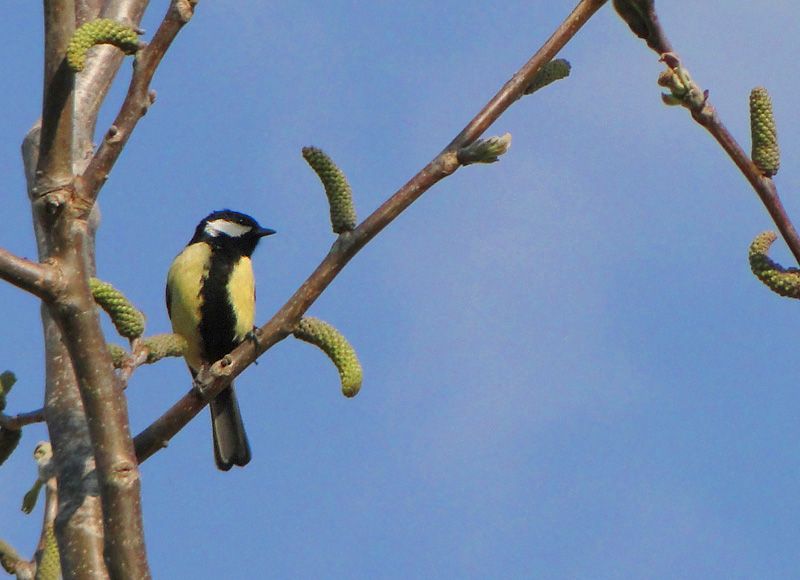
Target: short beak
[{"x": 264, "y": 232}]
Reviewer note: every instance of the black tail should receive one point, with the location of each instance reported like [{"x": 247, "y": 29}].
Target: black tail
[{"x": 230, "y": 441}]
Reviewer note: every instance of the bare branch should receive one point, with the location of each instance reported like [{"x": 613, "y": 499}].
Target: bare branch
[
  {"x": 64, "y": 234},
  {"x": 16, "y": 422},
  {"x": 102, "y": 65},
  {"x": 157, "y": 435},
  {"x": 13, "y": 563},
  {"x": 54, "y": 169},
  {"x": 92, "y": 85},
  {"x": 515, "y": 87},
  {"x": 50, "y": 190},
  {"x": 79, "y": 523},
  {"x": 641, "y": 17},
  {"x": 107, "y": 414},
  {"x": 38, "y": 279},
  {"x": 136, "y": 101},
  {"x": 86, "y": 10},
  {"x": 763, "y": 185},
  {"x": 691, "y": 96}
]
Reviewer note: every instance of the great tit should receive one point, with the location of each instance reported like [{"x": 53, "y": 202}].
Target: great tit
[{"x": 211, "y": 302}]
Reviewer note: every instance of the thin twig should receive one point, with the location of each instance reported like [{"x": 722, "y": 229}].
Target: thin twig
[
  {"x": 102, "y": 65},
  {"x": 138, "y": 357},
  {"x": 13, "y": 563},
  {"x": 137, "y": 101},
  {"x": 16, "y": 422},
  {"x": 705, "y": 114},
  {"x": 348, "y": 244},
  {"x": 764, "y": 186},
  {"x": 515, "y": 87}
]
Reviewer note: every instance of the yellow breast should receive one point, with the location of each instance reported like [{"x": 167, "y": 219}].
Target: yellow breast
[{"x": 184, "y": 281}]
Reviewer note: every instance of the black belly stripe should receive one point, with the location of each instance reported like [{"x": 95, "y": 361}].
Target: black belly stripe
[{"x": 217, "y": 319}]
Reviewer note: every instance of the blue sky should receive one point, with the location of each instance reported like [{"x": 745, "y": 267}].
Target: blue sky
[{"x": 569, "y": 370}]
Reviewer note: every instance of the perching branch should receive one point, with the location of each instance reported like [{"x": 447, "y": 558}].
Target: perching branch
[
  {"x": 348, "y": 244},
  {"x": 137, "y": 101}
]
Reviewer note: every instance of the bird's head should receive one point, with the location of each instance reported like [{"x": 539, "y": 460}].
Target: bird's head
[{"x": 230, "y": 230}]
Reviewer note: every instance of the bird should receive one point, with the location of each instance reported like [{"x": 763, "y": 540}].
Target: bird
[{"x": 211, "y": 303}]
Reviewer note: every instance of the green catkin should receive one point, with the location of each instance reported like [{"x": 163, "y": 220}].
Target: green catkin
[
  {"x": 783, "y": 281},
  {"x": 100, "y": 31},
  {"x": 553, "y": 71},
  {"x": 765, "y": 151},
  {"x": 340, "y": 196},
  {"x": 163, "y": 345},
  {"x": 118, "y": 355},
  {"x": 335, "y": 345},
  {"x": 128, "y": 321},
  {"x": 49, "y": 567},
  {"x": 158, "y": 346}
]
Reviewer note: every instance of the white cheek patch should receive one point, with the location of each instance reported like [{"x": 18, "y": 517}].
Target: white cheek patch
[{"x": 226, "y": 227}]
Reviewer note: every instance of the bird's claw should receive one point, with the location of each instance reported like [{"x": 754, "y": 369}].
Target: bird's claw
[
  {"x": 253, "y": 337},
  {"x": 200, "y": 385}
]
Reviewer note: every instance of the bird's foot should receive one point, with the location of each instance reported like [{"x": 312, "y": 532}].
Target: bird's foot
[
  {"x": 253, "y": 337},
  {"x": 201, "y": 383}
]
